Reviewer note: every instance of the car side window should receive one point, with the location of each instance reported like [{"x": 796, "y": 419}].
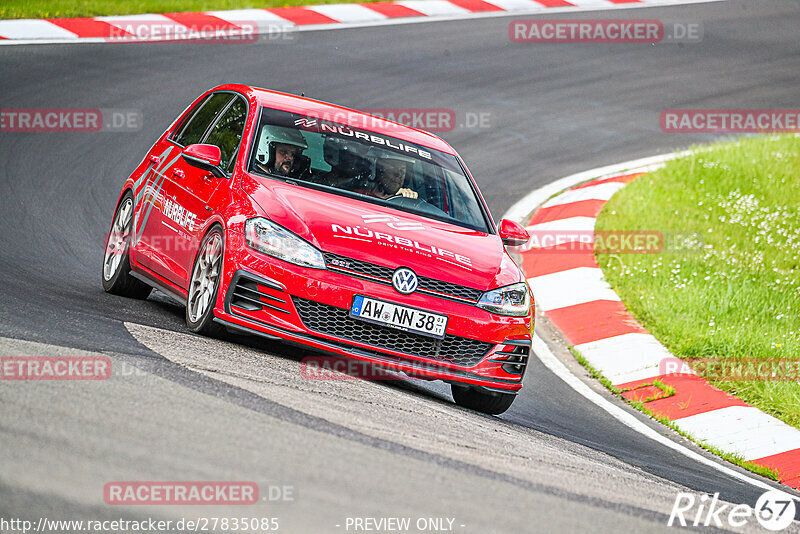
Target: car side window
[
  {"x": 198, "y": 124},
  {"x": 227, "y": 132}
]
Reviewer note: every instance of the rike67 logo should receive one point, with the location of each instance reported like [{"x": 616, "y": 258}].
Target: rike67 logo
[{"x": 774, "y": 511}]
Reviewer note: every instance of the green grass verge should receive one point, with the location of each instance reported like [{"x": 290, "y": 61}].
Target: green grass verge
[
  {"x": 725, "y": 291},
  {"x": 642, "y": 407},
  {"x": 36, "y": 9}
]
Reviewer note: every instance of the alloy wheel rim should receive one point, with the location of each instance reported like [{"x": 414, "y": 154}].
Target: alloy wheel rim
[
  {"x": 118, "y": 239},
  {"x": 204, "y": 278}
]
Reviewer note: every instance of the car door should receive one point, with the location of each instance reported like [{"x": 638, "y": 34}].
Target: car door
[
  {"x": 200, "y": 190},
  {"x": 151, "y": 239},
  {"x": 170, "y": 223}
]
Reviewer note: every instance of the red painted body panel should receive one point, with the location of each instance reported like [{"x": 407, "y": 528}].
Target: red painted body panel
[{"x": 174, "y": 210}]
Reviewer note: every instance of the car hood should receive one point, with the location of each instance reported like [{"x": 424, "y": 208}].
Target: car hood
[{"x": 385, "y": 236}]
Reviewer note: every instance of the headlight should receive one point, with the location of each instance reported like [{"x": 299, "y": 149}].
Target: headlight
[
  {"x": 513, "y": 300},
  {"x": 265, "y": 236}
]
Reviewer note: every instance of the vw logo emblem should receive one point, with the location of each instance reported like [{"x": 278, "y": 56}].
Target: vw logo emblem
[{"x": 405, "y": 281}]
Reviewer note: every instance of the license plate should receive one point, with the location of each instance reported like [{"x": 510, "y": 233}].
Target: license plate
[{"x": 400, "y": 317}]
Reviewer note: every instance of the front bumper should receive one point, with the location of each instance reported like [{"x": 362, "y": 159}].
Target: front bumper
[{"x": 266, "y": 296}]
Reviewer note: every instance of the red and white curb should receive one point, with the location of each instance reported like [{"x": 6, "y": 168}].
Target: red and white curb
[
  {"x": 571, "y": 290},
  {"x": 319, "y": 17}
]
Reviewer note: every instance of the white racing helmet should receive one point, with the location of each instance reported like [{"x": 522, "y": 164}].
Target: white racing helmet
[{"x": 277, "y": 135}]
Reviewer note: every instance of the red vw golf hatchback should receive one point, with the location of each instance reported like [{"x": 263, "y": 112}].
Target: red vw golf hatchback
[{"x": 302, "y": 221}]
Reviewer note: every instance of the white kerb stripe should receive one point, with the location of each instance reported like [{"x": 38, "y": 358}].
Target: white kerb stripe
[
  {"x": 347, "y": 12},
  {"x": 620, "y": 357},
  {"x": 248, "y": 15},
  {"x": 518, "y": 5},
  {"x": 666, "y": 2},
  {"x": 571, "y": 287},
  {"x": 33, "y": 29},
  {"x": 433, "y": 7},
  {"x": 742, "y": 430},
  {"x": 594, "y": 192},
  {"x": 575, "y": 224},
  {"x": 592, "y": 3},
  {"x": 145, "y": 17}
]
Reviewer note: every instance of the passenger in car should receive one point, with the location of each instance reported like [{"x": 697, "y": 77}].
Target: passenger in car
[
  {"x": 390, "y": 176},
  {"x": 350, "y": 168}
]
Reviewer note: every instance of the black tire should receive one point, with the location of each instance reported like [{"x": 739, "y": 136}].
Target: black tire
[
  {"x": 116, "y": 275},
  {"x": 204, "y": 323},
  {"x": 482, "y": 401}
]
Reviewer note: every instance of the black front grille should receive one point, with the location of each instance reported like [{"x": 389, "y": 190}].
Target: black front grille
[
  {"x": 385, "y": 274},
  {"x": 337, "y": 322}
]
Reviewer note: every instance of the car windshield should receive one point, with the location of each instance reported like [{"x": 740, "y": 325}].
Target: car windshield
[{"x": 365, "y": 165}]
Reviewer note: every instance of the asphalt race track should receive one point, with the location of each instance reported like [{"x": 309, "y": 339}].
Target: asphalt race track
[{"x": 181, "y": 407}]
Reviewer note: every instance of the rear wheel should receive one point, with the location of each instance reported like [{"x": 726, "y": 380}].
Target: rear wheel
[
  {"x": 117, "y": 277},
  {"x": 204, "y": 285},
  {"x": 482, "y": 401}
]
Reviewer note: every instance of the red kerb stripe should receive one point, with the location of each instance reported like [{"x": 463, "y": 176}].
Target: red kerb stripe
[
  {"x": 554, "y": 3},
  {"x": 89, "y": 27},
  {"x": 693, "y": 395},
  {"x": 591, "y": 321},
  {"x": 475, "y": 6},
  {"x": 581, "y": 208},
  {"x": 392, "y": 10},
  {"x": 787, "y": 463},
  {"x": 301, "y": 16},
  {"x": 541, "y": 262}
]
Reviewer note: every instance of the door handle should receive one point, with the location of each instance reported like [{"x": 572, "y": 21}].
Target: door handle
[
  {"x": 178, "y": 173},
  {"x": 155, "y": 160}
]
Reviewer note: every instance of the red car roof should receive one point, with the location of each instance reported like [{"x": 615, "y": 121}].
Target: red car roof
[{"x": 339, "y": 114}]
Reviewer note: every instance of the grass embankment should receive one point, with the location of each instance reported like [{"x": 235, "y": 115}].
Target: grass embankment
[
  {"x": 726, "y": 289},
  {"x": 38, "y": 9}
]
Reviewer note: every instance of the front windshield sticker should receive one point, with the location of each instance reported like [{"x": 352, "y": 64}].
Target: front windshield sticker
[{"x": 326, "y": 127}]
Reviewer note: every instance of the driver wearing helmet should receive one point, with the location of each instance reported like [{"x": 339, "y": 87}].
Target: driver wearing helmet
[
  {"x": 390, "y": 175},
  {"x": 280, "y": 150}
]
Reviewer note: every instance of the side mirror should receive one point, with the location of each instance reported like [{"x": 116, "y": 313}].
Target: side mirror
[
  {"x": 512, "y": 233},
  {"x": 206, "y": 157}
]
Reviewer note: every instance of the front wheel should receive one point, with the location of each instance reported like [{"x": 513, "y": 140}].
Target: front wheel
[
  {"x": 204, "y": 284},
  {"x": 117, "y": 277},
  {"x": 482, "y": 401}
]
